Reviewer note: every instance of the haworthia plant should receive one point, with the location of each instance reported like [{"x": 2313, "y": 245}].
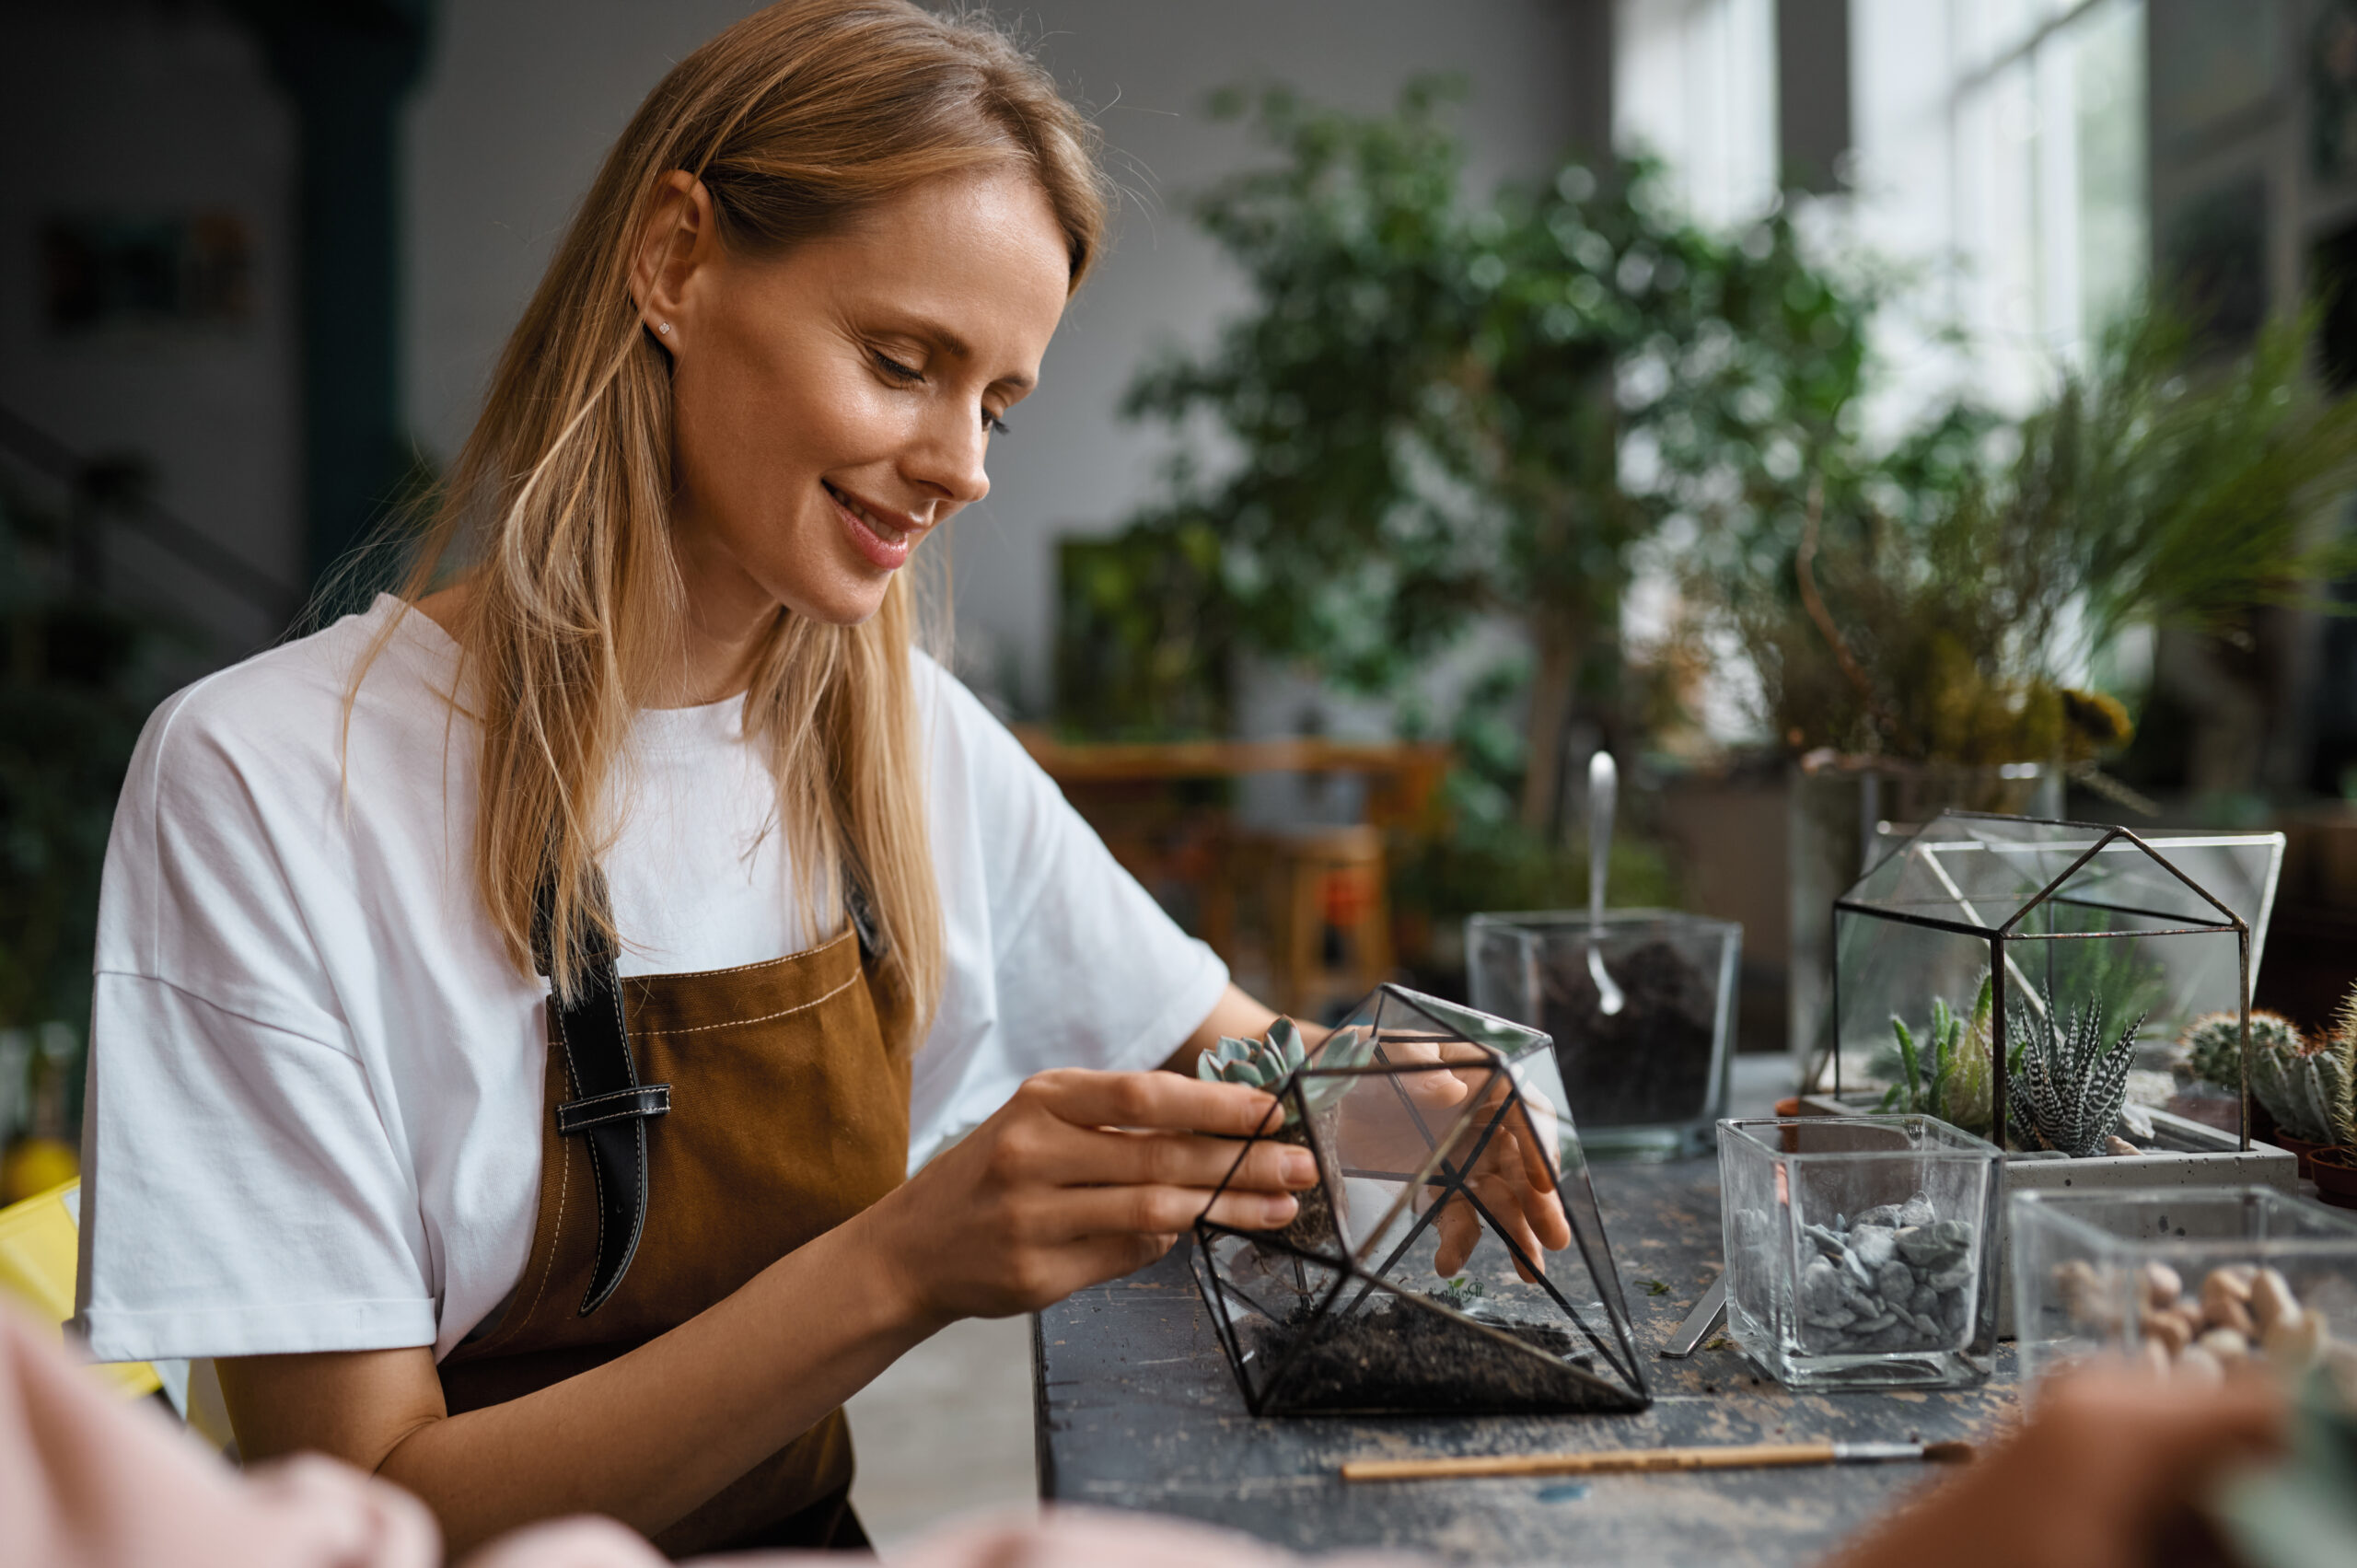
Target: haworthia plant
[
  {"x": 1267, "y": 1063},
  {"x": 2065, "y": 1086}
]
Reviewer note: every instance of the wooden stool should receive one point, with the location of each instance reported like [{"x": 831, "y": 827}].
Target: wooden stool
[{"x": 1322, "y": 879}]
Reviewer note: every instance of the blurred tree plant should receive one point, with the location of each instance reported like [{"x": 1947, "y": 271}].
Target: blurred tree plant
[
  {"x": 1935, "y": 600},
  {"x": 1428, "y": 402}
]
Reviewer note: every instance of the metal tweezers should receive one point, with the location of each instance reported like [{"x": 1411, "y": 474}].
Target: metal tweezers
[{"x": 1704, "y": 1320}]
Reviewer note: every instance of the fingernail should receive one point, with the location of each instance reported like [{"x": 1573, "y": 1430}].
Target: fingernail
[
  {"x": 1300, "y": 1169},
  {"x": 1279, "y": 1209}
]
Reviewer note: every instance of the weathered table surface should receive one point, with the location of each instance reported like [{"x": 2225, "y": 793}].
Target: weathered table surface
[{"x": 1137, "y": 1409}]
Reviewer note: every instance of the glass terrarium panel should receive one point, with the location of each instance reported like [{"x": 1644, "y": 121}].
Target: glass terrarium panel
[
  {"x": 1858, "y": 1249},
  {"x": 1972, "y": 870},
  {"x": 1929, "y": 979},
  {"x": 1442, "y": 1137},
  {"x": 2171, "y": 1276},
  {"x": 1650, "y": 1078},
  {"x": 2166, "y": 978}
]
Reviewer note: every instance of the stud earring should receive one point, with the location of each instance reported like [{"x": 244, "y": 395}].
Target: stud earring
[{"x": 664, "y": 328}]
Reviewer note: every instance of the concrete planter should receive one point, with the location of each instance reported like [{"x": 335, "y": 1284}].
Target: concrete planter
[{"x": 2190, "y": 1154}]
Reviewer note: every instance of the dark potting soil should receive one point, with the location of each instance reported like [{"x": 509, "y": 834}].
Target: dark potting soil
[
  {"x": 1650, "y": 1061},
  {"x": 1311, "y": 1229},
  {"x": 1408, "y": 1360}
]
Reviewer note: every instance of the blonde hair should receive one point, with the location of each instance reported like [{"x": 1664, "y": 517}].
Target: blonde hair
[{"x": 796, "y": 120}]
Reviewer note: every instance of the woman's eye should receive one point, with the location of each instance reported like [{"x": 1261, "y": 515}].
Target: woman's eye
[
  {"x": 994, "y": 424},
  {"x": 895, "y": 369}
]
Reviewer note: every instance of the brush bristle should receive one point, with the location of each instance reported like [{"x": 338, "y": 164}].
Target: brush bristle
[{"x": 1947, "y": 1453}]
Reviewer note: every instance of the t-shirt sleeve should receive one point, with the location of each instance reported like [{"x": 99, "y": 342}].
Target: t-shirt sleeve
[
  {"x": 241, "y": 1197},
  {"x": 1057, "y": 957},
  {"x": 241, "y": 1191}
]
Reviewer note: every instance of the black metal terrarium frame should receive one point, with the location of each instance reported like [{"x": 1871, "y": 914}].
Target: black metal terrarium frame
[
  {"x": 2002, "y": 968},
  {"x": 1445, "y": 1177}
]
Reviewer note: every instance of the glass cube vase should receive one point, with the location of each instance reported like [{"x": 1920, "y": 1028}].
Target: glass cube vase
[
  {"x": 1859, "y": 1249},
  {"x": 1440, "y": 1134},
  {"x": 2169, "y": 1277},
  {"x": 1649, "y": 1081}
]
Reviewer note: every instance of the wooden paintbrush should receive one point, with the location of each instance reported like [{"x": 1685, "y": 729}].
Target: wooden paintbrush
[{"x": 1611, "y": 1461}]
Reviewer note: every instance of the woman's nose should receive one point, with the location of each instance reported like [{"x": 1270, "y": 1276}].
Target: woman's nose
[{"x": 948, "y": 458}]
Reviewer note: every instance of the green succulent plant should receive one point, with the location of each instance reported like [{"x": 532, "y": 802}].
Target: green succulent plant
[
  {"x": 2212, "y": 1046},
  {"x": 1270, "y": 1061},
  {"x": 1949, "y": 1079},
  {"x": 2063, "y": 1085},
  {"x": 2305, "y": 1084}
]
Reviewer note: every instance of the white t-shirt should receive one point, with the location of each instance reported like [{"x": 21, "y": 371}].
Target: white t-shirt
[{"x": 315, "y": 1105}]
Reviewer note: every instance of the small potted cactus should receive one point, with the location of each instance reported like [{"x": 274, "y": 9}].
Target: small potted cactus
[
  {"x": 2321, "y": 1085},
  {"x": 2210, "y": 1067},
  {"x": 1269, "y": 1062},
  {"x": 2303, "y": 1084}
]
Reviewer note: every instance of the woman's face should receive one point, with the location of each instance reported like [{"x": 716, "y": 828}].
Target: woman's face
[{"x": 834, "y": 405}]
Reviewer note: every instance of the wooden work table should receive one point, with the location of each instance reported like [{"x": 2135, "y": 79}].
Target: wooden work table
[{"x": 1137, "y": 1409}]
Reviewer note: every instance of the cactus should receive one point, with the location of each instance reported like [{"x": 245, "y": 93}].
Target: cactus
[
  {"x": 1952, "y": 1082},
  {"x": 2066, "y": 1087},
  {"x": 2212, "y": 1046},
  {"x": 1269, "y": 1062},
  {"x": 2306, "y": 1085}
]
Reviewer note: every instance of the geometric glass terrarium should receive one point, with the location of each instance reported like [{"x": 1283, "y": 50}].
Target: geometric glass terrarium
[
  {"x": 2052, "y": 948},
  {"x": 1451, "y": 1258}
]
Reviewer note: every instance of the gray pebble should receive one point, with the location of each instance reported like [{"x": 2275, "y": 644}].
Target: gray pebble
[
  {"x": 1917, "y": 1211},
  {"x": 1831, "y": 1241},
  {"x": 1895, "y": 1282},
  {"x": 1884, "y": 1214},
  {"x": 1873, "y": 1244}
]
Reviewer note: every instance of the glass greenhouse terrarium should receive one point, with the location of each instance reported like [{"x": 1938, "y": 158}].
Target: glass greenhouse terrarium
[
  {"x": 1451, "y": 1258},
  {"x": 2003, "y": 973},
  {"x": 1640, "y": 1007}
]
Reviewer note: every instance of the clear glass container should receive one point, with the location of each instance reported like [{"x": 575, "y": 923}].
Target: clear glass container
[
  {"x": 1650, "y": 1080},
  {"x": 1859, "y": 1249},
  {"x": 2173, "y": 1276},
  {"x": 1425, "y": 1118},
  {"x": 2055, "y": 919}
]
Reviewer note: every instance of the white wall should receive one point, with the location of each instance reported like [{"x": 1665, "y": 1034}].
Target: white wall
[{"x": 523, "y": 97}]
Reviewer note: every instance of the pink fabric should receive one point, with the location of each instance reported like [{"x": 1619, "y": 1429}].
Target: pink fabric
[{"x": 89, "y": 1482}]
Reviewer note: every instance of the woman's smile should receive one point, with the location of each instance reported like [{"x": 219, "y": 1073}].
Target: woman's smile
[{"x": 884, "y": 536}]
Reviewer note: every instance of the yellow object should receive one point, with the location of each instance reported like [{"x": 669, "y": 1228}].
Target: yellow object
[
  {"x": 36, "y": 1165},
  {"x": 38, "y": 1244}
]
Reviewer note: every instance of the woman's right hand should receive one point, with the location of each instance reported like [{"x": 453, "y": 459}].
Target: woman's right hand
[{"x": 1081, "y": 1177}]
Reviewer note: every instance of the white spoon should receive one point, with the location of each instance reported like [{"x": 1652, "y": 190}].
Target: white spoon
[{"x": 1603, "y": 781}]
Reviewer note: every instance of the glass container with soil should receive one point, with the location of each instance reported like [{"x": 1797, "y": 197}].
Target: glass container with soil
[
  {"x": 1451, "y": 1259},
  {"x": 1647, "y": 1078}
]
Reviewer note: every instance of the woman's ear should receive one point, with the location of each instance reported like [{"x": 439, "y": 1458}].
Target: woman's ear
[{"x": 679, "y": 239}]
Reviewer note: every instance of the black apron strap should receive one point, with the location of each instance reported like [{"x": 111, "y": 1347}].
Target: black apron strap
[{"x": 609, "y": 1106}]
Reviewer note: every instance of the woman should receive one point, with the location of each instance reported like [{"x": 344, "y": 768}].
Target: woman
[{"x": 517, "y": 1010}]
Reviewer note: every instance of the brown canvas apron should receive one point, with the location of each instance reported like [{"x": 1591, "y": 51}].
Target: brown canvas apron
[{"x": 786, "y": 1113}]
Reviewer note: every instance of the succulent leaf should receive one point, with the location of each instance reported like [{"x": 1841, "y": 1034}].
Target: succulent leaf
[{"x": 2069, "y": 1087}]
